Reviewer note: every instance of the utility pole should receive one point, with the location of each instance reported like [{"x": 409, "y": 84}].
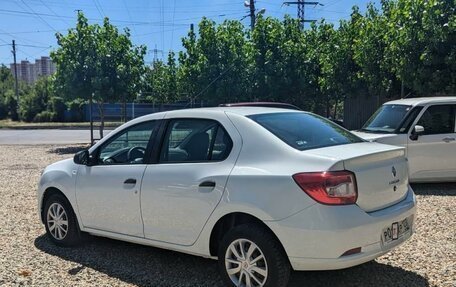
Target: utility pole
[
  {"x": 301, "y": 10},
  {"x": 252, "y": 14},
  {"x": 156, "y": 51},
  {"x": 251, "y": 5},
  {"x": 15, "y": 73}
]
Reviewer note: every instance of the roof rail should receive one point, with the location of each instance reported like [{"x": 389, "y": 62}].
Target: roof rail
[{"x": 262, "y": 104}]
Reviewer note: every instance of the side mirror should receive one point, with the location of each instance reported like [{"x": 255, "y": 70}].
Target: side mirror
[
  {"x": 82, "y": 157},
  {"x": 416, "y": 132}
]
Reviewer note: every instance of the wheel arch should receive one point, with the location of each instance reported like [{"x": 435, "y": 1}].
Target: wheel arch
[
  {"x": 230, "y": 220},
  {"x": 47, "y": 194}
]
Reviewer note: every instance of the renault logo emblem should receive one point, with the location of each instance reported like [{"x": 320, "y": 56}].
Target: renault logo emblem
[{"x": 393, "y": 171}]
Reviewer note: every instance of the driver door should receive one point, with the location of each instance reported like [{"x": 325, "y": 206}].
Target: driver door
[
  {"x": 432, "y": 156},
  {"x": 108, "y": 192}
]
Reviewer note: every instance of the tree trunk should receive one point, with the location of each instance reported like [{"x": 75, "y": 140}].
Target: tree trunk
[
  {"x": 101, "y": 110},
  {"x": 335, "y": 108},
  {"x": 328, "y": 108}
]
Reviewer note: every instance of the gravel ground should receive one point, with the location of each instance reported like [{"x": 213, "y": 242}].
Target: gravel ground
[{"x": 27, "y": 257}]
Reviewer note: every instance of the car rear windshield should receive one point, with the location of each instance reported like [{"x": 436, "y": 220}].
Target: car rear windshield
[{"x": 305, "y": 131}]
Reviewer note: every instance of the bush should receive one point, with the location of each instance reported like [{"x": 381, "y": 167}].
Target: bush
[
  {"x": 29, "y": 106},
  {"x": 3, "y": 109},
  {"x": 45, "y": 117},
  {"x": 58, "y": 107},
  {"x": 76, "y": 108},
  {"x": 11, "y": 105}
]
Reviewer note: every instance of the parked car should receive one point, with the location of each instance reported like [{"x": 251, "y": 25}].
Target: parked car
[
  {"x": 426, "y": 128},
  {"x": 262, "y": 189}
]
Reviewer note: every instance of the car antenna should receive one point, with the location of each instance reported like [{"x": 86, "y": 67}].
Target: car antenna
[{"x": 406, "y": 96}]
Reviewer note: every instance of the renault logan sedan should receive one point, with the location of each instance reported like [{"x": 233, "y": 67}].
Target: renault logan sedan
[
  {"x": 263, "y": 190},
  {"x": 426, "y": 128}
]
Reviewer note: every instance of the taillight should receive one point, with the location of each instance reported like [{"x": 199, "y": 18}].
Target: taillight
[{"x": 329, "y": 187}]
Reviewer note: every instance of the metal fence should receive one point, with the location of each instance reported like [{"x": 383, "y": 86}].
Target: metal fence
[
  {"x": 115, "y": 112},
  {"x": 358, "y": 109}
]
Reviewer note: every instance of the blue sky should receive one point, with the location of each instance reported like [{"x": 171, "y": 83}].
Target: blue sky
[{"x": 155, "y": 23}]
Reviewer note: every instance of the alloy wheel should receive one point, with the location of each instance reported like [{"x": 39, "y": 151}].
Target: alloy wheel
[
  {"x": 246, "y": 264},
  {"x": 57, "y": 221}
]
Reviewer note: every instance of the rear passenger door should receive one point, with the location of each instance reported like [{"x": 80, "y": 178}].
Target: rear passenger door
[
  {"x": 182, "y": 189},
  {"x": 432, "y": 156}
]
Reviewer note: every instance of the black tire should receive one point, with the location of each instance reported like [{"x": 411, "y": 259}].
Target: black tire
[
  {"x": 73, "y": 235},
  {"x": 278, "y": 266}
]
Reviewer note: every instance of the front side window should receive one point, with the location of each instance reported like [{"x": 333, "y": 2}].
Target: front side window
[
  {"x": 386, "y": 119},
  {"x": 409, "y": 119},
  {"x": 438, "y": 119},
  {"x": 305, "y": 131},
  {"x": 128, "y": 147},
  {"x": 195, "y": 140}
]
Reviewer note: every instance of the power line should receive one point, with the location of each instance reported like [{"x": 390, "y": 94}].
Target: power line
[
  {"x": 92, "y": 19},
  {"x": 99, "y": 10},
  {"x": 24, "y": 39},
  {"x": 53, "y": 12},
  {"x": 174, "y": 14},
  {"x": 128, "y": 13},
  {"x": 28, "y": 32},
  {"x": 163, "y": 25},
  {"x": 36, "y": 14},
  {"x": 33, "y": 46}
]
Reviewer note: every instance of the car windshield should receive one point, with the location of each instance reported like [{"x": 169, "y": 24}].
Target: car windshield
[
  {"x": 305, "y": 131},
  {"x": 386, "y": 119}
]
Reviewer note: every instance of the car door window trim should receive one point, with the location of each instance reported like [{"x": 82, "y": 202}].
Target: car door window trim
[
  {"x": 165, "y": 132},
  {"x": 147, "y": 153}
]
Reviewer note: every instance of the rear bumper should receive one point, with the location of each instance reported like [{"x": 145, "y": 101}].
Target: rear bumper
[{"x": 316, "y": 238}]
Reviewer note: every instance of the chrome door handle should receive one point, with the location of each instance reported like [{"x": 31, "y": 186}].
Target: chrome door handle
[{"x": 448, "y": 139}]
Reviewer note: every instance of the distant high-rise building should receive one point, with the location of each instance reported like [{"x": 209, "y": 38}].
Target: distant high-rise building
[{"x": 29, "y": 72}]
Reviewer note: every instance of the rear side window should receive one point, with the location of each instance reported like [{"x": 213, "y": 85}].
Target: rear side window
[
  {"x": 305, "y": 131},
  {"x": 195, "y": 140}
]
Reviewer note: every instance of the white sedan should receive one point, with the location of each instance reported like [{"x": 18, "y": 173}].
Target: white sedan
[
  {"x": 264, "y": 190},
  {"x": 426, "y": 128}
]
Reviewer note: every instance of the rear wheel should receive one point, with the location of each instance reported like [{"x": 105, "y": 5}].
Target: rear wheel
[
  {"x": 250, "y": 255},
  {"x": 60, "y": 221}
]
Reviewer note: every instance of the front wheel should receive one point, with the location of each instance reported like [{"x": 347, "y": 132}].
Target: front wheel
[
  {"x": 249, "y": 255},
  {"x": 60, "y": 221}
]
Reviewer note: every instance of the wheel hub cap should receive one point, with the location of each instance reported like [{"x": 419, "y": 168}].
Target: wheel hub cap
[
  {"x": 245, "y": 264},
  {"x": 57, "y": 221}
]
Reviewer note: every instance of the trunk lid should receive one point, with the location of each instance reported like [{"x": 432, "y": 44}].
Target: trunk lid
[{"x": 381, "y": 171}]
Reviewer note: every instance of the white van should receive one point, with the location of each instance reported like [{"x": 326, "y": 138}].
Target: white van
[{"x": 426, "y": 127}]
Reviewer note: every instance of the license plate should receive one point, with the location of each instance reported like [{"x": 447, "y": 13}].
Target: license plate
[{"x": 396, "y": 230}]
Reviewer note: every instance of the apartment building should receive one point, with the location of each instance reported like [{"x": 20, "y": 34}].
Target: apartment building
[{"x": 30, "y": 72}]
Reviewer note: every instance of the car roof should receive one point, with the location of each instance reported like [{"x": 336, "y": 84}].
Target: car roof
[
  {"x": 244, "y": 111},
  {"x": 422, "y": 101}
]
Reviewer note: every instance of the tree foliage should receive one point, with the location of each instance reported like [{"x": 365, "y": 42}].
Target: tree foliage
[
  {"x": 409, "y": 44},
  {"x": 402, "y": 47},
  {"x": 100, "y": 62}
]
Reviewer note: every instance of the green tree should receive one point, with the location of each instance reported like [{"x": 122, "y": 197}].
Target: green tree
[
  {"x": 188, "y": 74},
  {"x": 98, "y": 61},
  {"x": 36, "y": 99},
  {"x": 421, "y": 50},
  {"x": 6, "y": 88}
]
